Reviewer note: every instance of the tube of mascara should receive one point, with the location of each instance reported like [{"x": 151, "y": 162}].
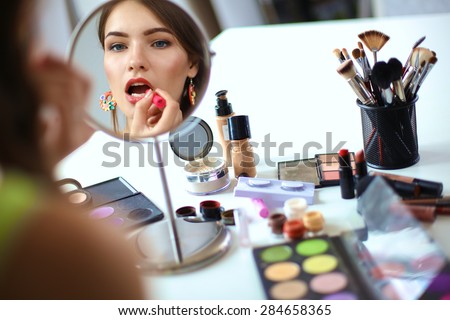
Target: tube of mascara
[{"x": 430, "y": 188}]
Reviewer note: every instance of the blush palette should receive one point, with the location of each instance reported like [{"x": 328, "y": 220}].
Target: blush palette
[
  {"x": 315, "y": 268},
  {"x": 322, "y": 170}
]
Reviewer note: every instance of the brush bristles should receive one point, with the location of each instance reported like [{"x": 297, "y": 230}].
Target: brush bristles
[
  {"x": 345, "y": 53},
  {"x": 338, "y": 55},
  {"x": 347, "y": 69},
  {"x": 432, "y": 60},
  {"x": 374, "y": 40},
  {"x": 422, "y": 54},
  {"x": 396, "y": 68},
  {"x": 356, "y": 54}
]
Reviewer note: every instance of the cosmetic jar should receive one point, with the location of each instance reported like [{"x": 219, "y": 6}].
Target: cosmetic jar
[
  {"x": 293, "y": 229},
  {"x": 192, "y": 142},
  {"x": 314, "y": 223},
  {"x": 295, "y": 208},
  {"x": 206, "y": 176},
  {"x": 276, "y": 222}
]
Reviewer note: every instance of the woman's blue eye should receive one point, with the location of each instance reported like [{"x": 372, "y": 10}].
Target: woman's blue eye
[
  {"x": 117, "y": 47},
  {"x": 160, "y": 44}
]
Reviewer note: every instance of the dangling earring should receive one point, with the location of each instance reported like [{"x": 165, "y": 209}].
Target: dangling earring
[
  {"x": 192, "y": 94},
  {"x": 107, "y": 102}
]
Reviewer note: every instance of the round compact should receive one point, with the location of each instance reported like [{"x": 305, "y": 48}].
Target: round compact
[{"x": 192, "y": 142}]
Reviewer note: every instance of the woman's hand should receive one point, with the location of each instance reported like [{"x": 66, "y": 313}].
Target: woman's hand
[
  {"x": 150, "y": 121},
  {"x": 64, "y": 94}
]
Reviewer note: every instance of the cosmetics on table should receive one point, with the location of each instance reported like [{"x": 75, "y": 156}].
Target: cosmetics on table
[
  {"x": 192, "y": 142},
  {"x": 273, "y": 192},
  {"x": 224, "y": 110},
  {"x": 243, "y": 158},
  {"x": 322, "y": 170}
]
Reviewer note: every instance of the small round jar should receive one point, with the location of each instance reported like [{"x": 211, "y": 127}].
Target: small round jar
[
  {"x": 206, "y": 176},
  {"x": 293, "y": 229},
  {"x": 295, "y": 208},
  {"x": 276, "y": 222},
  {"x": 314, "y": 222}
]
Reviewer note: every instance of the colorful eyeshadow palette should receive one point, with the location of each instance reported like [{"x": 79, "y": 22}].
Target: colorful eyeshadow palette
[
  {"x": 129, "y": 212},
  {"x": 315, "y": 268},
  {"x": 322, "y": 170}
]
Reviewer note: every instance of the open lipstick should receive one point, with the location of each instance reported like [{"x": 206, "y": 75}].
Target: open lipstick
[{"x": 361, "y": 166}]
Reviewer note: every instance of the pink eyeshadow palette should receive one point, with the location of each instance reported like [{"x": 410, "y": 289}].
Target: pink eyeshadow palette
[
  {"x": 129, "y": 212},
  {"x": 315, "y": 268},
  {"x": 322, "y": 170}
]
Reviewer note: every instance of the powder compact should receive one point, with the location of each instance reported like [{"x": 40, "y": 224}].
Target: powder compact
[
  {"x": 322, "y": 170},
  {"x": 192, "y": 142}
]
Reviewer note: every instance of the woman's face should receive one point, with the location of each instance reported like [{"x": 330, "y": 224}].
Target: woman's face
[{"x": 141, "y": 54}]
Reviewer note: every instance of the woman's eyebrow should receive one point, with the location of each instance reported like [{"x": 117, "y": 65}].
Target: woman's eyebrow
[
  {"x": 117, "y": 34},
  {"x": 155, "y": 30},
  {"x": 146, "y": 32}
]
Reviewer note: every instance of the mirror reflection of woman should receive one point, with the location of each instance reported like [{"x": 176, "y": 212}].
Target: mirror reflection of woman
[{"x": 151, "y": 47}]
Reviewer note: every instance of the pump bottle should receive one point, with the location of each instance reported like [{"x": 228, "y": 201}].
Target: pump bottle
[
  {"x": 224, "y": 110},
  {"x": 242, "y": 154}
]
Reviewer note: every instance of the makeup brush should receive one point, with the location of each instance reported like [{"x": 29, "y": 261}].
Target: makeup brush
[
  {"x": 438, "y": 202},
  {"x": 423, "y": 55},
  {"x": 339, "y": 55},
  {"x": 374, "y": 41},
  {"x": 396, "y": 74},
  {"x": 425, "y": 73},
  {"x": 356, "y": 54},
  {"x": 382, "y": 77},
  {"x": 348, "y": 72},
  {"x": 415, "y": 45},
  {"x": 345, "y": 54}
]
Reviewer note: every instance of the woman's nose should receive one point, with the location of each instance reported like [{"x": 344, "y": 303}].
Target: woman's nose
[{"x": 138, "y": 59}]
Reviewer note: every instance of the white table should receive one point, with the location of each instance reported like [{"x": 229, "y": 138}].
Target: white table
[{"x": 284, "y": 78}]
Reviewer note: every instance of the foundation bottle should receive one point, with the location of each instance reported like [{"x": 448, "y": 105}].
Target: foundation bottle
[
  {"x": 242, "y": 155},
  {"x": 224, "y": 110}
]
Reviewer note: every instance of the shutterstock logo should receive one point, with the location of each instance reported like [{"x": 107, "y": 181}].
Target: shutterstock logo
[{"x": 122, "y": 153}]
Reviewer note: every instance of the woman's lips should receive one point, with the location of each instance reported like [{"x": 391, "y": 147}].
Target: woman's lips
[{"x": 135, "y": 89}]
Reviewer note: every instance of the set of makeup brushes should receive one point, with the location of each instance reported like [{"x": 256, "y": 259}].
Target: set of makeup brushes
[{"x": 384, "y": 83}]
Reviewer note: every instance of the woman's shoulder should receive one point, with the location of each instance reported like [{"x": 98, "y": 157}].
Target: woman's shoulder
[{"x": 58, "y": 253}]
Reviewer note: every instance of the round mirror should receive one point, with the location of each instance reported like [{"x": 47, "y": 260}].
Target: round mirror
[{"x": 150, "y": 65}]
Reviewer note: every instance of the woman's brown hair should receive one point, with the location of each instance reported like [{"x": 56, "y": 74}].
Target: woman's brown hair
[
  {"x": 19, "y": 126},
  {"x": 186, "y": 31}
]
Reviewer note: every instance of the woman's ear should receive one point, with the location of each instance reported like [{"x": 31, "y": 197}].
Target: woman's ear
[{"x": 193, "y": 70}]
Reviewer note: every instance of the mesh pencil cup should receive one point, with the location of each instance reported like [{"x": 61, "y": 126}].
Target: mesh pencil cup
[{"x": 390, "y": 134}]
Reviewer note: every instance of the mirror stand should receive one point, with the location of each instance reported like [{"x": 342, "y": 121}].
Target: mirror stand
[{"x": 191, "y": 245}]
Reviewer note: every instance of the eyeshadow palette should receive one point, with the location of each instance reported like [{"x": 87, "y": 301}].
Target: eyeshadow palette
[
  {"x": 129, "y": 212},
  {"x": 109, "y": 190},
  {"x": 315, "y": 268},
  {"x": 322, "y": 170}
]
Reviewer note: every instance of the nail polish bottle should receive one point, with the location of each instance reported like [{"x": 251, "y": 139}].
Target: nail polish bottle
[
  {"x": 224, "y": 110},
  {"x": 242, "y": 155}
]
